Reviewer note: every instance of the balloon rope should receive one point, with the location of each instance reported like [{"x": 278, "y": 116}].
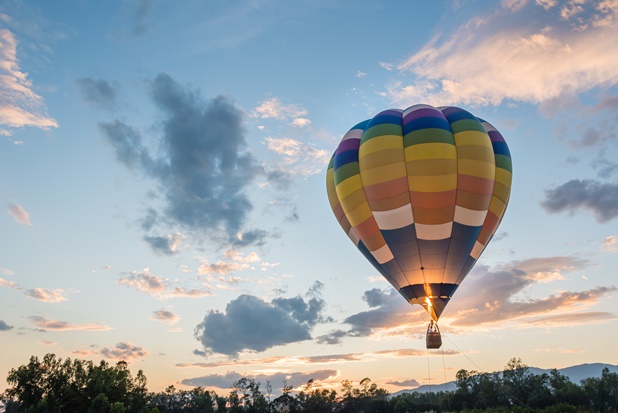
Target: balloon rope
[
  {"x": 448, "y": 398},
  {"x": 429, "y": 379}
]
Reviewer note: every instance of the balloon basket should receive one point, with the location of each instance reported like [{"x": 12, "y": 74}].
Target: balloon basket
[{"x": 434, "y": 338}]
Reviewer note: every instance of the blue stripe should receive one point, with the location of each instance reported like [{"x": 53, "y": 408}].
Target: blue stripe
[
  {"x": 345, "y": 158},
  {"x": 459, "y": 115},
  {"x": 380, "y": 119},
  {"x": 501, "y": 148},
  {"x": 425, "y": 123}
]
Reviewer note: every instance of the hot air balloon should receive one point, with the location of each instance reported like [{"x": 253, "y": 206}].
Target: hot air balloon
[{"x": 421, "y": 192}]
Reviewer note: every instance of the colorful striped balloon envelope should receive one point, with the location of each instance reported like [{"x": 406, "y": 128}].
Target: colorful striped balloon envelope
[{"x": 421, "y": 192}]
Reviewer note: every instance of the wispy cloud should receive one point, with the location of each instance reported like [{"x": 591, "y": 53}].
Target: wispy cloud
[
  {"x": 48, "y": 296},
  {"x": 506, "y": 54},
  {"x": 19, "y": 214},
  {"x": 167, "y": 245},
  {"x": 159, "y": 287},
  {"x": 19, "y": 105},
  {"x": 125, "y": 351},
  {"x": 58, "y": 325},
  {"x": 316, "y": 360},
  {"x": 610, "y": 244},
  {"x": 298, "y": 158},
  {"x": 294, "y": 379},
  {"x": 273, "y": 108},
  {"x": 166, "y": 316},
  {"x": 98, "y": 93}
]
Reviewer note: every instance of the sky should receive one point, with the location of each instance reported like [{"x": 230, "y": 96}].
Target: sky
[{"x": 163, "y": 196}]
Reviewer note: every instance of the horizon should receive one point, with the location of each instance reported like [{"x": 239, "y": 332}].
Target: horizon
[{"x": 119, "y": 244}]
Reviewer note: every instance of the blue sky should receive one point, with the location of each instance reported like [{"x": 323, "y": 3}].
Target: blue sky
[{"x": 118, "y": 243}]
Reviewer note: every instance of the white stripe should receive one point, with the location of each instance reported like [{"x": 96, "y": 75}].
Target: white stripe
[
  {"x": 469, "y": 216},
  {"x": 476, "y": 251},
  {"x": 353, "y": 134},
  {"x": 416, "y": 107},
  {"x": 353, "y": 236},
  {"x": 489, "y": 127},
  {"x": 433, "y": 232},
  {"x": 383, "y": 254},
  {"x": 395, "y": 218}
]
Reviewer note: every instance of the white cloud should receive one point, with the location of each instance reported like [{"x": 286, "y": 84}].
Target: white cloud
[
  {"x": 298, "y": 158},
  {"x": 301, "y": 122},
  {"x": 19, "y": 104},
  {"x": 489, "y": 59},
  {"x": 45, "y": 295},
  {"x": 610, "y": 244},
  {"x": 159, "y": 287},
  {"x": 58, "y": 325},
  {"x": 9, "y": 284},
  {"x": 19, "y": 214},
  {"x": 273, "y": 109}
]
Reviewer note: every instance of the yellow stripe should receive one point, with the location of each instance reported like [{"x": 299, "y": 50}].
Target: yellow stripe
[
  {"x": 348, "y": 186},
  {"x": 432, "y": 183},
  {"x": 476, "y": 152},
  {"x": 358, "y": 215},
  {"x": 379, "y": 144},
  {"x": 383, "y": 173},
  {"x": 497, "y": 207},
  {"x": 431, "y": 151},
  {"x": 381, "y": 158},
  {"x": 472, "y": 137},
  {"x": 476, "y": 168},
  {"x": 503, "y": 176}
]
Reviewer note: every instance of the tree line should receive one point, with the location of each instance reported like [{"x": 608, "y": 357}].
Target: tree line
[{"x": 53, "y": 385}]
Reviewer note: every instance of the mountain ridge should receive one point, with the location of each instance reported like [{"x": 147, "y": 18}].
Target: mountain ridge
[{"x": 576, "y": 373}]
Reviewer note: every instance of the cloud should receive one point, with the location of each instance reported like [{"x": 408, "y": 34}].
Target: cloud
[
  {"x": 98, "y": 93},
  {"x": 4, "y": 326},
  {"x": 124, "y": 351},
  {"x": 297, "y": 158},
  {"x": 610, "y": 244},
  {"x": 140, "y": 16},
  {"x": 225, "y": 381},
  {"x": 145, "y": 282},
  {"x": 405, "y": 383},
  {"x": 19, "y": 105},
  {"x": 506, "y": 54},
  {"x": 6, "y": 271},
  {"x": 158, "y": 287},
  {"x": 9, "y": 284},
  {"x": 489, "y": 296},
  {"x": 203, "y": 170},
  {"x": 47, "y": 343},
  {"x": 600, "y": 198},
  {"x": 575, "y": 318},
  {"x": 166, "y": 316},
  {"x": 45, "y": 295},
  {"x": 57, "y": 325},
  {"x": 322, "y": 359},
  {"x": 251, "y": 324},
  {"x": 19, "y": 214},
  {"x": 167, "y": 245},
  {"x": 273, "y": 109},
  {"x": 492, "y": 296}
]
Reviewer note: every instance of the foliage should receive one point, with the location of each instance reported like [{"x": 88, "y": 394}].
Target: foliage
[{"x": 56, "y": 385}]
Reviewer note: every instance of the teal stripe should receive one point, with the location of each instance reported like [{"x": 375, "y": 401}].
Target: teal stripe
[
  {"x": 346, "y": 171},
  {"x": 381, "y": 130},
  {"x": 467, "y": 125},
  {"x": 429, "y": 135}
]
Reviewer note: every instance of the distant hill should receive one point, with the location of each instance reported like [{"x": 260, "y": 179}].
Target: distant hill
[{"x": 575, "y": 373}]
